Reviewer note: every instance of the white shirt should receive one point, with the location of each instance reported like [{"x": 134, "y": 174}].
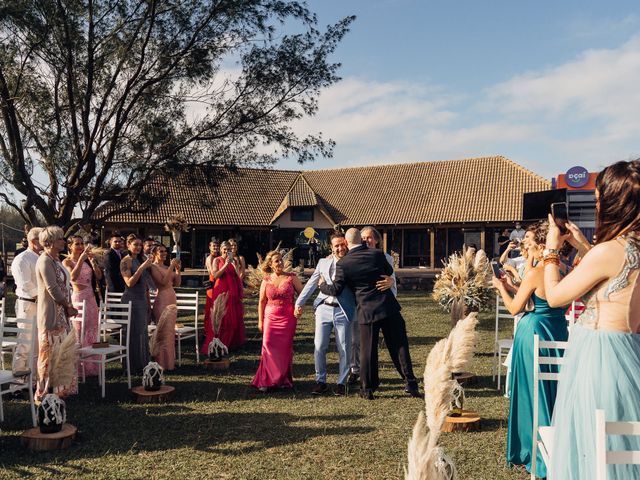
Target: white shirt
[
  {"x": 394, "y": 288},
  {"x": 517, "y": 233},
  {"x": 23, "y": 269}
]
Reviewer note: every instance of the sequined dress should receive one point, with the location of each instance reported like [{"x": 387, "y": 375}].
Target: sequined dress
[{"x": 601, "y": 371}]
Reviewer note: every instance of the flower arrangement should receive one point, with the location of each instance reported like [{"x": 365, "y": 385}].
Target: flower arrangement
[
  {"x": 426, "y": 459},
  {"x": 466, "y": 278},
  {"x": 176, "y": 224}
]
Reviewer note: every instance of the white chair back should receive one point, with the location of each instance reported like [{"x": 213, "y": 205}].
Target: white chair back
[
  {"x": 538, "y": 361},
  {"x": 3, "y": 308},
  {"x": 22, "y": 334},
  {"x": 79, "y": 319},
  {"x": 604, "y": 457},
  {"x": 117, "y": 313}
]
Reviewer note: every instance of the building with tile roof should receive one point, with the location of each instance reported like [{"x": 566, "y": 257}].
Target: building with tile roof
[{"x": 424, "y": 210}]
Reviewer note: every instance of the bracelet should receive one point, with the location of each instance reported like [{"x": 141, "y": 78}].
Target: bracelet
[{"x": 551, "y": 260}]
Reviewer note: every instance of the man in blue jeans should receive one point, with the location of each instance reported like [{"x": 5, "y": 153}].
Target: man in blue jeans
[{"x": 332, "y": 313}]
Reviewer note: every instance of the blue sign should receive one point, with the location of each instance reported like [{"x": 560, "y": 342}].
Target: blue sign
[{"x": 577, "y": 177}]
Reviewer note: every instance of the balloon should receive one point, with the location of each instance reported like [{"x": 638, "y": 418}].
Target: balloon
[{"x": 309, "y": 232}]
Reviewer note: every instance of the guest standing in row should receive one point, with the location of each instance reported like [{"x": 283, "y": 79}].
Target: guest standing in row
[
  {"x": 238, "y": 260},
  {"x": 214, "y": 252},
  {"x": 165, "y": 279},
  {"x": 54, "y": 308},
  {"x": 23, "y": 269},
  {"x": 134, "y": 268},
  {"x": 112, "y": 273},
  {"x": 549, "y": 324},
  {"x": 85, "y": 272},
  {"x": 277, "y": 322},
  {"x": 227, "y": 280},
  {"x": 602, "y": 361}
]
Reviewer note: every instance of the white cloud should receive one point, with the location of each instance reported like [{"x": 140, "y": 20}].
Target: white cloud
[{"x": 584, "y": 111}]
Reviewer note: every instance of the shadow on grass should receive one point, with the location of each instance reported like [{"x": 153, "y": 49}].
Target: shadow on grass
[{"x": 159, "y": 428}]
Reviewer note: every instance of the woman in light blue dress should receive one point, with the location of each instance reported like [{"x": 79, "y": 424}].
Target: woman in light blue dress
[
  {"x": 549, "y": 324},
  {"x": 602, "y": 360}
]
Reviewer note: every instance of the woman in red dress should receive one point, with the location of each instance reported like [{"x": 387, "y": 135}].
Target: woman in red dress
[
  {"x": 277, "y": 323},
  {"x": 225, "y": 278}
]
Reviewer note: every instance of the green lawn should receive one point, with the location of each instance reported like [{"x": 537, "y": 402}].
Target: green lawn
[{"x": 218, "y": 427}]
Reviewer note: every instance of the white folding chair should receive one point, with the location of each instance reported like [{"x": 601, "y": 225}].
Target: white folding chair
[
  {"x": 604, "y": 457},
  {"x": 119, "y": 314},
  {"x": 501, "y": 346},
  {"x": 109, "y": 329},
  {"x": 543, "y": 436},
  {"x": 23, "y": 334},
  {"x": 8, "y": 345},
  {"x": 79, "y": 320},
  {"x": 188, "y": 302}
]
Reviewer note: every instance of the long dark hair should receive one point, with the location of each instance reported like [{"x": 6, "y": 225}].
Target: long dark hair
[{"x": 618, "y": 186}]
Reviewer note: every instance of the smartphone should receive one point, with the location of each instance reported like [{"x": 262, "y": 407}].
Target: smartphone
[
  {"x": 230, "y": 255},
  {"x": 498, "y": 271},
  {"x": 560, "y": 214}
]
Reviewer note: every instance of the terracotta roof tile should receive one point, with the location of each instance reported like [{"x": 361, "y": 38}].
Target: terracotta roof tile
[{"x": 454, "y": 191}]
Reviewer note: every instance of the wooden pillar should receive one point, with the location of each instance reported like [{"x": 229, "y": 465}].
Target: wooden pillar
[
  {"x": 401, "y": 247},
  {"x": 384, "y": 242},
  {"x": 432, "y": 247},
  {"x": 193, "y": 248},
  {"x": 483, "y": 240}
]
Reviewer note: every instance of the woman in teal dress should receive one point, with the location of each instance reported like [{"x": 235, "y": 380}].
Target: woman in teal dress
[
  {"x": 549, "y": 324},
  {"x": 602, "y": 361}
]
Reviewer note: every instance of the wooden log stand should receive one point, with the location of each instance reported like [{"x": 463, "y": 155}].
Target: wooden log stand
[
  {"x": 468, "y": 422},
  {"x": 217, "y": 365},
  {"x": 158, "y": 396},
  {"x": 35, "y": 440}
]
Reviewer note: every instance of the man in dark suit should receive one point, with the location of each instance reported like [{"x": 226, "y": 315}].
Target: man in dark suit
[
  {"x": 360, "y": 270},
  {"x": 115, "y": 282}
]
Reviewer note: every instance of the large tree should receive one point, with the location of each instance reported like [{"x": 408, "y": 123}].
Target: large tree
[{"x": 98, "y": 97}]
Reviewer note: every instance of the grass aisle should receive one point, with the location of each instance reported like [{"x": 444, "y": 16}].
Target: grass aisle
[{"x": 217, "y": 427}]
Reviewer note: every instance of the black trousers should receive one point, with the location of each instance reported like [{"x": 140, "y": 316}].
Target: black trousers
[{"x": 395, "y": 336}]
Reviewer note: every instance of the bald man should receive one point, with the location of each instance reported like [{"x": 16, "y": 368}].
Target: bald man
[{"x": 377, "y": 310}]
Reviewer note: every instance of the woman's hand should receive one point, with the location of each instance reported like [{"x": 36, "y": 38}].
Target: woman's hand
[
  {"x": 175, "y": 264},
  {"x": 147, "y": 263},
  {"x": 499, "y": 283},
  {"x": 71, "y": 310},
  {"x": 555, "y": 238},
  {"x": 260, "y": 327},
  {"x": 577, "y": 239}
]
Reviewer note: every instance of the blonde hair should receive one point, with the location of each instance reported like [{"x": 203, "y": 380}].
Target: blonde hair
[
  {"x": 265, "y": 266},
  {"x": 49, "y": 235}
]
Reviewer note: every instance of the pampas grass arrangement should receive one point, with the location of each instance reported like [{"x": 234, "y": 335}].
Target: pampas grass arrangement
[
  {"x": 426, "y": 460},
  {"x": 216, "y": 348},
  {"x": 157, "y": 344},
  {"x": 465, "y": 277},
  {"x": 62, "y": 366},
  {"x": 253, "y": 276}
]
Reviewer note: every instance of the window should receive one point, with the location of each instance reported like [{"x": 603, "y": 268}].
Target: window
[{"x": 302, "y": 214}]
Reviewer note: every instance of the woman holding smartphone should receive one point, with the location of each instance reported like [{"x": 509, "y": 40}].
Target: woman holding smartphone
[
  {"x": 226, "y": 278},
  {"x": 549, "y": 324},
  {"x": 602, "y": 361}
]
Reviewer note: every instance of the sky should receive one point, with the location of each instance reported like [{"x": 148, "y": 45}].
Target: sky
[{"x": 548, "y": 84}]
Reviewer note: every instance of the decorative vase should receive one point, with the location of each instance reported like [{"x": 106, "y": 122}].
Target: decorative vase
[
  {"x": 458, "y": 399},
  {"x": 152, "y": 377},
  {"x": 52, "y": 413},
  {"x": 217, "y": 350}
]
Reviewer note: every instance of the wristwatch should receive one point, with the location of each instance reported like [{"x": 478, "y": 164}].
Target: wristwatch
[{"x": 550, "y": 251}]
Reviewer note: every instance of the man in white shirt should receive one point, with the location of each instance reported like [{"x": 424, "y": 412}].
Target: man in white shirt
[{"x": 23, "y": 269}]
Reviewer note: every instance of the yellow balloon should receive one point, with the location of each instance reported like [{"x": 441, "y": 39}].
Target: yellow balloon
[{"x": 309, "y": 232}]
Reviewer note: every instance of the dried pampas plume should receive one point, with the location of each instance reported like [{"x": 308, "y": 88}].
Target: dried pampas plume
[
  {"x": 426, "y": 460},
  {"x": 218, "y": 311},
  {"x": 253, "y": 276},
  {"x": 63, "y": 368},
  {"x": 157, "y": 344}
]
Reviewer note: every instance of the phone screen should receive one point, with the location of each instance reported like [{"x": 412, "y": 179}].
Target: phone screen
[
  {"x": 560, "y": 214},
  {"x": 230, "y": 255},
  {"x": 498, "y": 272}
]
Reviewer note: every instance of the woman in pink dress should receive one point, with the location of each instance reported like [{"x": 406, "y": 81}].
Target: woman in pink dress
[
  {"x": 165, "y": 279},
  {"x": 278, "y": 324},
  {"x": 84, "y": 272},
  {"x": 224, "y": 272}
]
